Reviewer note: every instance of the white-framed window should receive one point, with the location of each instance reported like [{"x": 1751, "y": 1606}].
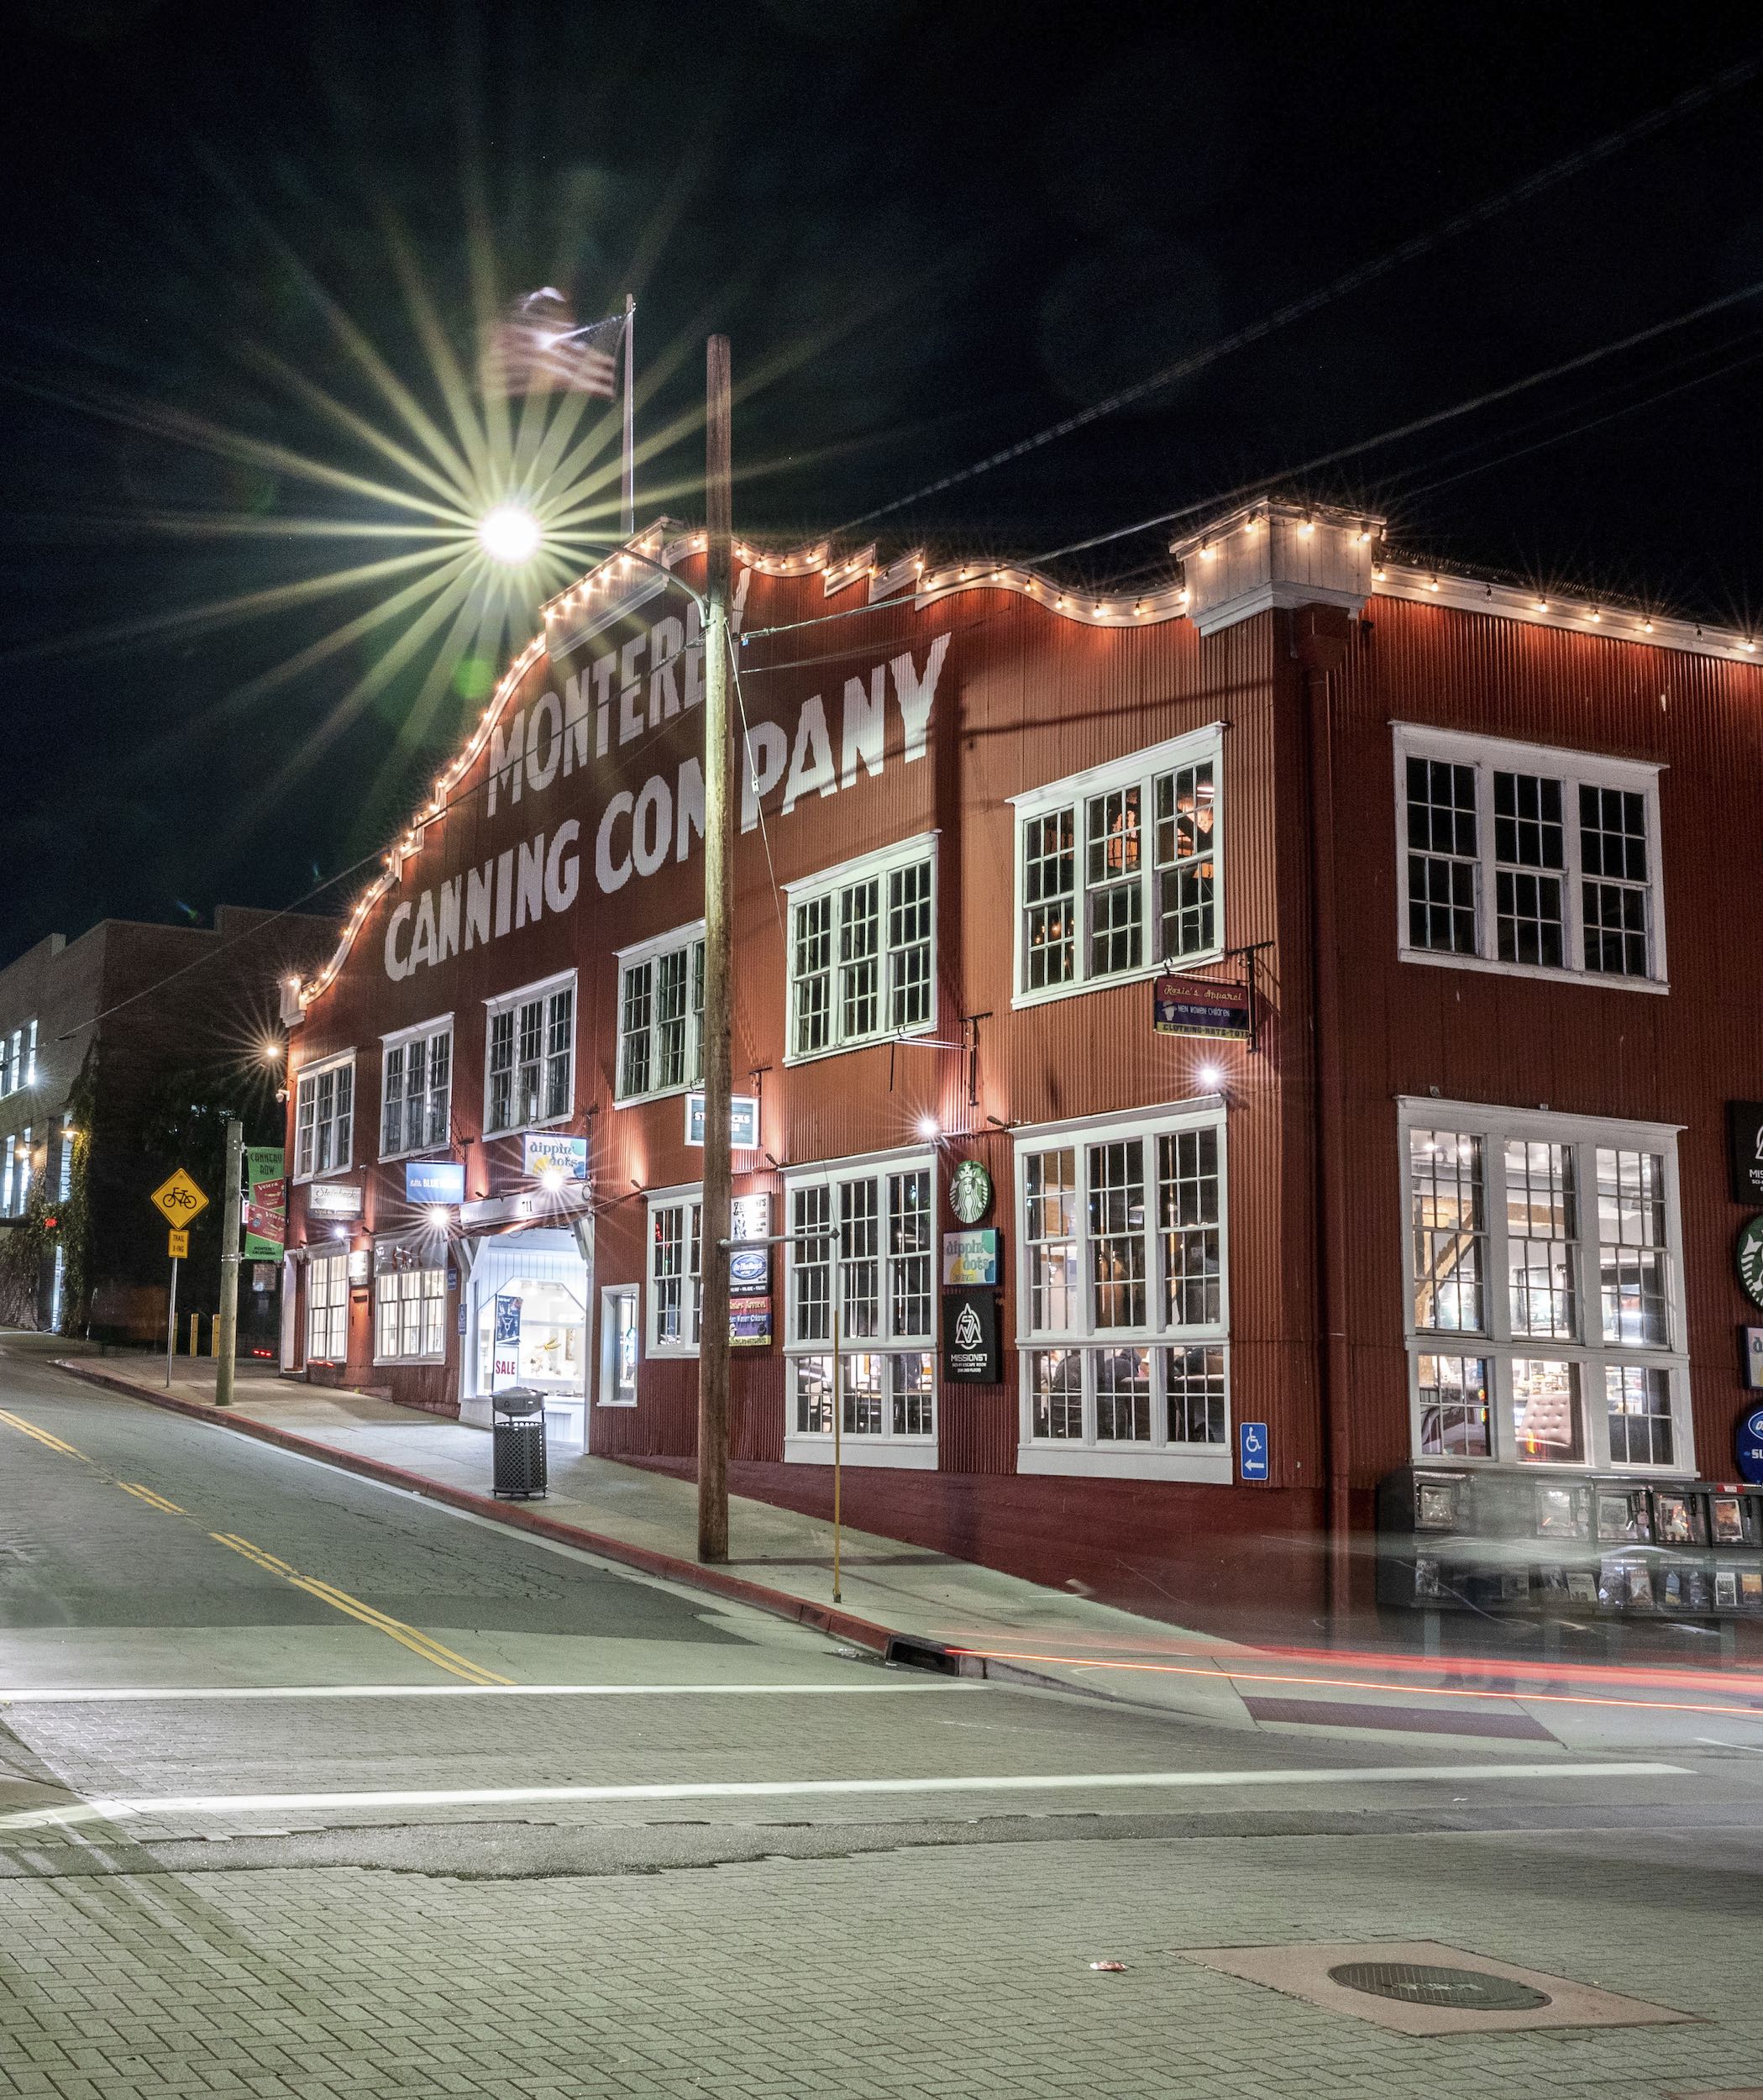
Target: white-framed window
[
  {"x": 324, "y": 1118},
  {"x": 661, "y": 1015},
  {"x": 1527, "y": 860},
  {"x": 863, "y": 951},
  {"x": 410, "y": 1305},
  {"x": 1119, "y": 869},
  {"x": 1122, "y": 1296},
  {"x": 1543, "y": 1288},
  {"x": 859, "y": 1271},
  {"x": 675, "y": 1271},
  {"x": 26, "y": 1164},
  {"x": 64, "y": 1186},
  {"x": 327, "y": 1308},
  {"x": 529, "y": 1068},
  {"x": 9, "y": 1174},
  {"x": 19, "y": 1058},
  {"x": 416, "y": 1089},
  {"x": 619, "y": 1346}
]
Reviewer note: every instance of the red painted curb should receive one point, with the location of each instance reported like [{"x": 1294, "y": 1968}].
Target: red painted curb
[{"x": 518, "y": 1516}]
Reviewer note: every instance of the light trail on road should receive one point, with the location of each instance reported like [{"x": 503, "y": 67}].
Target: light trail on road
[
  {"x": 1228, "y": 1674},
  {"x": 24, "y": 1695}
]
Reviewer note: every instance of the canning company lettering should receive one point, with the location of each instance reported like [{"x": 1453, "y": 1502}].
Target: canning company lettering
[{"x": 637, "y": 830}]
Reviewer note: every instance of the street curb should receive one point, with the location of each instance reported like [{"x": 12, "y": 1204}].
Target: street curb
[{"x": 517, "y": 1516}]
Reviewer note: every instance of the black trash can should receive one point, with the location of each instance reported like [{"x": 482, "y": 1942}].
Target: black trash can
[{"x": 518, "y": 1434}]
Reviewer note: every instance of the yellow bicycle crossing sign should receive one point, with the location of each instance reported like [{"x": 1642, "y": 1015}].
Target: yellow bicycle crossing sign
[{"x": 179, "y": 1197}]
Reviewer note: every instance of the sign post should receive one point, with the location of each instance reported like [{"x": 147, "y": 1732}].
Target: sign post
[
  {"x": 719, "y": 779},
  {"x": 178, "y": 1200},
  {"x": 232, "y": 1202},
  {"x": 171, "y": 1308}
]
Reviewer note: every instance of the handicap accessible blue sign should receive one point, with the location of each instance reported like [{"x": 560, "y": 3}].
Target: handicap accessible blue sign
[{"x": 1251, "y": 1451}]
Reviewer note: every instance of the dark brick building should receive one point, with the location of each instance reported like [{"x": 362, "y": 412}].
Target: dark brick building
[{"x": 100, "y": 1038}]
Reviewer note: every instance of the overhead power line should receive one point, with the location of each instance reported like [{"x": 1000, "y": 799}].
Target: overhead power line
[
  {"x": 1354, "y": 279},
  {"x": 1409, "y": 429}
]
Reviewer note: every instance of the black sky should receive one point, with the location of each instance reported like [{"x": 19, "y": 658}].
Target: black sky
[{"x": 929, "y": 228}]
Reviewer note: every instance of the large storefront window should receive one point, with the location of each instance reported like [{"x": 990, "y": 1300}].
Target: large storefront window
[
  {"x": 1542, "y": 1294},
  {"x": 1122, "y": 1319},
  {"x": 1118, "y": 869},
  {"x": 858, "y": 1272},
  {"x": 326, "y": 1309},
  {"x": 324, "y": 1117},
  {"x": 410, "y": 1305},
  {"x": 530, "y": 1332}
]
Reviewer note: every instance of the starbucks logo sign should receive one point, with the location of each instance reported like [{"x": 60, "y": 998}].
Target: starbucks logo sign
[
  {"x": 1749, "y": 1253},
  {"x": 970, "y": 1192}
]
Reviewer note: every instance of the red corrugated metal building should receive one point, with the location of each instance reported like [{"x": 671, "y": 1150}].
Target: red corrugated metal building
[{"x": 1465, "y": 1195}]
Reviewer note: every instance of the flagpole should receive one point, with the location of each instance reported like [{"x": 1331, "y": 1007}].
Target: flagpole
[{"x": 630, "y": 422}]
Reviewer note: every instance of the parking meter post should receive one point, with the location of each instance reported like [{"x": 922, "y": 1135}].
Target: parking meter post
[{"x": 227, "y": 1341}]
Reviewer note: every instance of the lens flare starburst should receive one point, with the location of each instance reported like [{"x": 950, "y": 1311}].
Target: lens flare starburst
[{"x": 510, "y": 534}]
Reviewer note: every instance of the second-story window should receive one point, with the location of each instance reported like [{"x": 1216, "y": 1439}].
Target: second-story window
[
  {"x": 324, "y": 1117},
  {"x": 1118, "y": 869},
  {"x": 531, "y": 1076},
  {"x": 1515, "y": 858},
  {"x": 863, "y": 951},
  {"x": 418, "y": 1089},
  {"x": 661, "y": 1015}
]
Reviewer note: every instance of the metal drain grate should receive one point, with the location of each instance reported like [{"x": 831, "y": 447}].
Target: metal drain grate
[{"x": 1456, "y": 1990}]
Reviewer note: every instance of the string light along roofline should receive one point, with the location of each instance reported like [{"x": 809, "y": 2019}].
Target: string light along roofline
[{"x": 1317, "y": 532}]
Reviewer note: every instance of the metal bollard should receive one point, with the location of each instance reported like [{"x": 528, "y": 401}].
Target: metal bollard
[{"x": 196, "y": 1328}]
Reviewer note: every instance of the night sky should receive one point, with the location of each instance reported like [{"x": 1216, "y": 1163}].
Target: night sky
[{"x": 930, "y": 229}]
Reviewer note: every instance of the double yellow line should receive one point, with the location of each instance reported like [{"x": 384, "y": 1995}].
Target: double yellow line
[
  {"x": 43, "y": 1437},
  {"x": 410, "y": 1637},
  {"x": 418, "y": 1643},
  {"x": 147, "y": 1495}
]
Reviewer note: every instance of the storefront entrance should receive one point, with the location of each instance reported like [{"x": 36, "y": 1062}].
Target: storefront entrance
[{"x": 526, "y": 1324}]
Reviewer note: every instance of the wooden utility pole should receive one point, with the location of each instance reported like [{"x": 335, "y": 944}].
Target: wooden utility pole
[
  {"x": 713, "y": 1354},
  {"x": 226, "y": 1341}
]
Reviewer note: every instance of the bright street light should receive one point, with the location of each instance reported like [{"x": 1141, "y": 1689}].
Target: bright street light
[{"x": 510, "y": 534}]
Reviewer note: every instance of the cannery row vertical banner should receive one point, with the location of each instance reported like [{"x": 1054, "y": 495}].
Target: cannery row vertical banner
[{"x": 266, "y": 1203}]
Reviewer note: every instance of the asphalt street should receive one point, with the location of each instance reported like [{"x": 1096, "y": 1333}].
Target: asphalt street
[{"x": 308, "y": 1786}]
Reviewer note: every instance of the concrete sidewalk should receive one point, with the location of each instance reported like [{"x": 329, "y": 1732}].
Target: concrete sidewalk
[{"x": 892, "y": 1591}]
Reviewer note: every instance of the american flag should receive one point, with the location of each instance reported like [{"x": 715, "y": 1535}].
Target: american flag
[{"x": 536, "y": 348}]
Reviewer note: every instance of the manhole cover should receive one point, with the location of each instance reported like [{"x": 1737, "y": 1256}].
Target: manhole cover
[{"x": 1460, "y": 1990}]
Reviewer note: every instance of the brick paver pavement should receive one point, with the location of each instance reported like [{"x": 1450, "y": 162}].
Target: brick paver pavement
[{"x": 922, "y": 1974}]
